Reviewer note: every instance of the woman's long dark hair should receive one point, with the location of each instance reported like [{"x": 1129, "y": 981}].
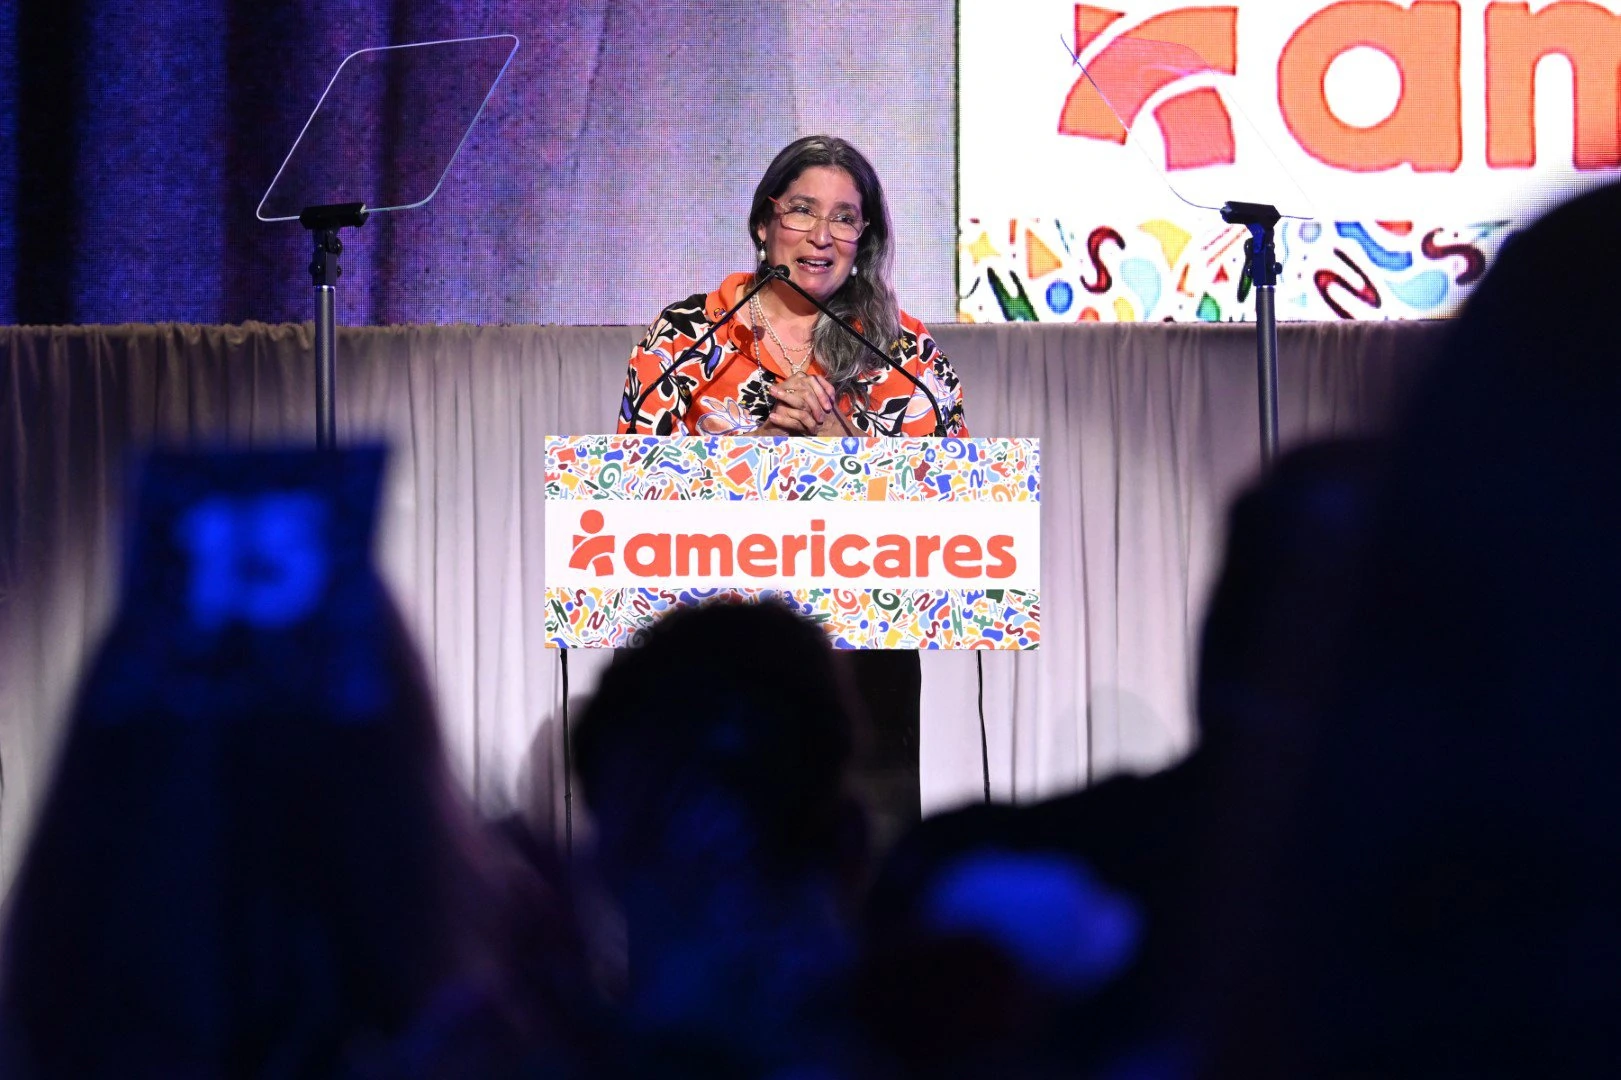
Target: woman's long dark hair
[{"x": 867, "y": 298}]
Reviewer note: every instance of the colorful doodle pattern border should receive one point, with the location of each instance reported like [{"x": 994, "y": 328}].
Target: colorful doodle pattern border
[
  {"x": 723, "y": 467},
  {"x": 1001, "y": 619},
  {"x": 1069, "y": 268}
]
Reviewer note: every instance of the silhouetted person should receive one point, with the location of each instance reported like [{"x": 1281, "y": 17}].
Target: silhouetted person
[
  {"x": 713, "y": 758},
  {"x": 252, "y": 860},
  {"x": 1267, "y": 648},
  {"x": 1445, "y": 900}
]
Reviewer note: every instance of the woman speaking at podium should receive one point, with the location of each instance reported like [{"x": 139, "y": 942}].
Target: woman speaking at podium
[{"x": 780, "y": 366}]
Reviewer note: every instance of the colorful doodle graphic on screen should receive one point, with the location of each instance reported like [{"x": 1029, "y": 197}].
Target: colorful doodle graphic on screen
[{"x": 1053, "y": 270}]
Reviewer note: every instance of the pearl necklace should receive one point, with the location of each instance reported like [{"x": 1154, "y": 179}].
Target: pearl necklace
[{"x": 787, "y": 354}]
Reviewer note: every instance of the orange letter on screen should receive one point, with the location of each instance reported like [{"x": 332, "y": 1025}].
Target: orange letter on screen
[
  {"x": 1426, "y": 128},
  {"x": 1588, "y": 36}
]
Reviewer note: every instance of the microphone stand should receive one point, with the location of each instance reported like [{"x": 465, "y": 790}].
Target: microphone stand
[
  {"x": 773, "y": 274},
  {"x": 1261, "y": 268},
  {"x": 939, "y": 417}
]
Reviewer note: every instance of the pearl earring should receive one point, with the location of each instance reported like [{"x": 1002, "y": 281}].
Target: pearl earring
[
  {"x": 855, "y": 271},
  {"x": 760, "y": 253}
]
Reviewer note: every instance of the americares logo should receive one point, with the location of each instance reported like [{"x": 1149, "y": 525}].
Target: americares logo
[
  {"x": 816, "y": 552},
  {"x": 1424, "y": 41}
]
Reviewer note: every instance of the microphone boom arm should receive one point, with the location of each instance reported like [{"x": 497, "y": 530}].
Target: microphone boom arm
[
  {"x": 636, "y": 410},
  {"x": 939, "y": 417}
]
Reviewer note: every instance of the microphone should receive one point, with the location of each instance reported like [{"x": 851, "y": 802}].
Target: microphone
[
  {"x": 771, "y": 275},
  {"x": 939, "y": 417}
]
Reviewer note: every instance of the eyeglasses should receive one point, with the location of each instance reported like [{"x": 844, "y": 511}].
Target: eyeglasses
[{"x": 841, "y": 224}]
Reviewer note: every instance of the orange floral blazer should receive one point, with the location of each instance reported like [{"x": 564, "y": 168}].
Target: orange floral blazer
[{"x": 722, "y": 391}]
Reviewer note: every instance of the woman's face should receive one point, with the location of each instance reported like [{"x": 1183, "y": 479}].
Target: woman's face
[{"x": 819, "y": 262}]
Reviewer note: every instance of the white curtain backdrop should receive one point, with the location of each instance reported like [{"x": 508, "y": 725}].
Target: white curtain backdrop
[{"x": 1147, "y": 431}]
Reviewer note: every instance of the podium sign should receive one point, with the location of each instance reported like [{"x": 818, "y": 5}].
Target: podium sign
[{"x": 886, "y": 543}]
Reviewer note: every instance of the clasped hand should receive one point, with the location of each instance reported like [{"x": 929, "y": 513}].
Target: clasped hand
[{"x": 805, "y": 405}]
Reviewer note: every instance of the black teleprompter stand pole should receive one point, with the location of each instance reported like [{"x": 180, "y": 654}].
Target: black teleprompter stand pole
[
  {"x": 1261, "y": 268},
  {"x": 323, "y": 222}
]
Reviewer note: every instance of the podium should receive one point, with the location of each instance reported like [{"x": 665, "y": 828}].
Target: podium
[{"x": 885, "y": 543}]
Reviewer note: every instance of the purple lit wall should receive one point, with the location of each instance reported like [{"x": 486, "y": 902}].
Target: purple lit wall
[{"x": 609, "y": 174}]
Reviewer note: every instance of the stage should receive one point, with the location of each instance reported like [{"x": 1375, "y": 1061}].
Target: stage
[{"x": 1147, "y": 431}]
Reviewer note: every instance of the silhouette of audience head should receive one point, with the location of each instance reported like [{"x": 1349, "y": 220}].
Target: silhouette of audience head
[
  {"x": 720, "y": 741},
  {"x": 1294, "y": 544},
  {"x": 251, "y": 860},
  {"x": 996, "y": 990},
  {"x": 1268, "y": 663},
  {"x": 713, "y": 758}
]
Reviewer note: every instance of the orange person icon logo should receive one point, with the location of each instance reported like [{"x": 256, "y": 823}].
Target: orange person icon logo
[{"x": 590, "y": 550}]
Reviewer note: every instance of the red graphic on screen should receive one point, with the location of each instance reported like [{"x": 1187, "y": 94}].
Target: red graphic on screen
[
  {"x": 1159, "y": 52},
  {"x": 1328, "y": 282},
  {"x": 1474, "y": 260},
  {"x": 1094, "y": 251}
]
